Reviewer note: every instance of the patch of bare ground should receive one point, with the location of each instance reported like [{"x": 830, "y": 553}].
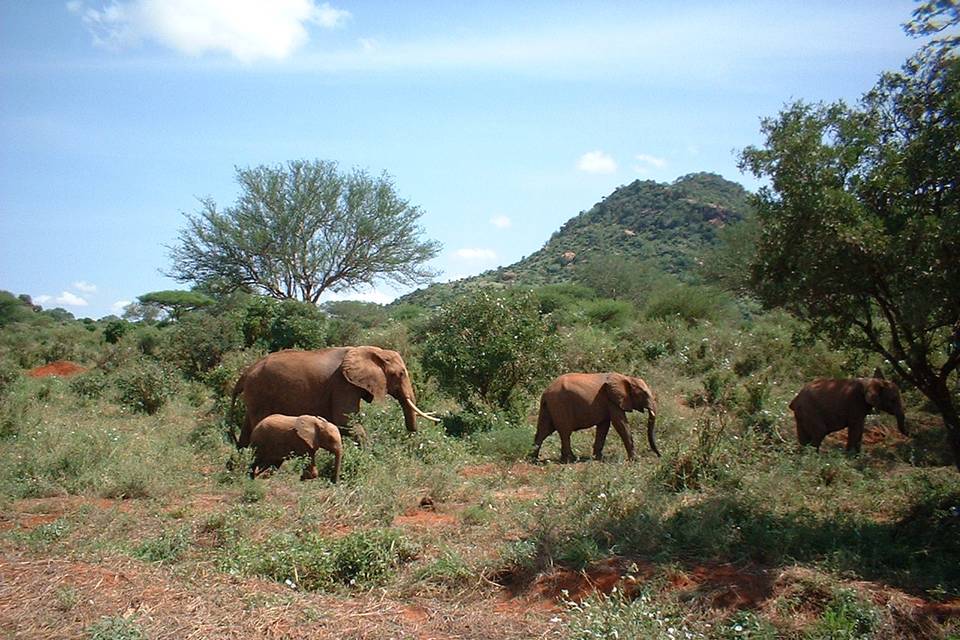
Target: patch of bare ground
[
  {"x": 29, "y": 513},
  {"x": 59, "y": 598},
  {"x": 63, "y": 368}
]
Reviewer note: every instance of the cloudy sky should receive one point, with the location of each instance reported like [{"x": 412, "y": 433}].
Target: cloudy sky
[{"x": 501, "y": 120}]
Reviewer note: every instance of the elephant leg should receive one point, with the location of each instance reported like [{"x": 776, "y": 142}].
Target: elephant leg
[
  {"x": 623, "y": 430},
  {"x": 603, "y": 428},
  {"x": 340, "y": 414},
  {"x": 854, "y": 436},
  {"x": 566, "y": 451}
]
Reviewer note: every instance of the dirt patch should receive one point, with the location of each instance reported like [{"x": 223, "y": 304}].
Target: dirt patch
[
  {"x": 485, "y": 470},
  {"x": 726, "y": 586},
  {"x": 63, "y": 368},
  {"x": 60, "y": 598},
  {"x": 425, "y": 519}
]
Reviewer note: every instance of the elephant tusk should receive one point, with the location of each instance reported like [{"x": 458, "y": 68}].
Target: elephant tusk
[{"x": 420, "y": 413}]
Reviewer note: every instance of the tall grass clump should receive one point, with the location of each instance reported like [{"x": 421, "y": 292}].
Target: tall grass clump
[
  {"x": 66, "y": 448},
  {"x": 361, "y": 559}
]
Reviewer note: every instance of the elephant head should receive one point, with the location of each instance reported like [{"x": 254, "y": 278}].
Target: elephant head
[
  {"x": 884, "y": 395},
  {"x": 379, "y": 372},
  {"x": 633, "y": 394}
]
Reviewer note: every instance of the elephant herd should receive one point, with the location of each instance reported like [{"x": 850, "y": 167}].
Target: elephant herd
[{"x": 298, "y": 402}]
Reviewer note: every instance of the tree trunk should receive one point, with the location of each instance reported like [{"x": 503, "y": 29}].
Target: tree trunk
[{"x": 941, "y": 397}]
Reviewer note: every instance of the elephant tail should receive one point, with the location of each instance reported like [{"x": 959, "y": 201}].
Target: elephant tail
[{"x": 237, "y": 390}]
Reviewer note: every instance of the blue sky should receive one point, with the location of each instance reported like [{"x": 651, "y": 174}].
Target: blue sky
[{"x": 500, "y": 120}]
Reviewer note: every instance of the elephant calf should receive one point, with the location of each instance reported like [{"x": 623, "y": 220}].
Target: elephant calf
[
  {"x": 824, "y": 406},
  {"x": 577, "y": 401},
  {"x": 278, "y": 437}
]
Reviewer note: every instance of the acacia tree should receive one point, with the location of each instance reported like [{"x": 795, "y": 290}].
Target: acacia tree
[
  {"x": 302, "y": 229},
  {"x": 860, "y": 224}
]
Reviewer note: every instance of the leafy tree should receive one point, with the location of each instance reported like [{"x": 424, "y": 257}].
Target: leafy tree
[
  {"x": 860, "y": 225},
  {"x": 14, "y": 309},
  {"x": 176, "y": 303},
  {"x": 302, "y": 229},
  {"x": 287, "y": 324},
  {"x": 488, "y": 347}
]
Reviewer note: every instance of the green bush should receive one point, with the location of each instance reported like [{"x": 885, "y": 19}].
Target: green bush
[
  {"x": 165, "y": 548},
  {"x": 145, "y": 385},
  {"x": 90, "y": 385},
  {"x": 608, "y": 313},
  {"x": 361, "y": 559},
  {"x": 198, "y": 342},
  {"x": 489, "y": 347}
]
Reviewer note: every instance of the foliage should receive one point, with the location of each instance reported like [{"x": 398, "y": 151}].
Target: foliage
[
  {"x": 488, "y": 347},
  {"x": 14, "y": 309},
  {"x": 273, "y": 325},
  {"x": 115, "y": 628},
  {"x": 860, "y": 225},
  {"x": 176, "y": 303},
  {"x": 359, "y": 560},
  {"x": 302, "y": 229},
  {"x": 145, "y": 385},
  {"x": 198, "y": 342}
]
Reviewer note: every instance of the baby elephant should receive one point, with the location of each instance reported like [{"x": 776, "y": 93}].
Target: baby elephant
[
  {"x": 278, "y": 437},
  {"x": 824, "y": 406}
]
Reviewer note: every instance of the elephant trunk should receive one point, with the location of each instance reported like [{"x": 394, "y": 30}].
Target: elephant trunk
[
  {"x": 651, "y": 423},
  {"x": 902, "y": 423}
]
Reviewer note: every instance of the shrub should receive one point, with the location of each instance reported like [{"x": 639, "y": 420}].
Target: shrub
[
  {"x": 361, "y": 559},
  {"x": 90, "y": 385},
  {"x": 690, "y": 303},
  {"x": 489, "y": 347},
  {"x": 197, "y": 342},
  {"x": 145, "y": 385},
  {"x": 608, "y": 313},
  {"x": 165, "y": 548}
]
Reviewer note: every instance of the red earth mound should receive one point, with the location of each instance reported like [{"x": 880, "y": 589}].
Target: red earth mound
[{"x": 59, "y": 368}]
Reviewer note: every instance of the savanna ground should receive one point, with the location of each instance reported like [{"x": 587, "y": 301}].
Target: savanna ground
[{"x": 126, "y": 514}]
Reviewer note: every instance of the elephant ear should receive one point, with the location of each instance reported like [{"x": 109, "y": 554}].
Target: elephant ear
[
  {"x": 307, "y": 431},
  {"x": 363, "y": 367},
  {"x": 871, "y": 392},
  {"x": 618, "y": 390}
]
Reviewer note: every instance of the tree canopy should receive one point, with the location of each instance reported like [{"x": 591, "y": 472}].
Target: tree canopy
[
  {"x": 860, "y": 224},
  {"x": 301, "y": 229}
]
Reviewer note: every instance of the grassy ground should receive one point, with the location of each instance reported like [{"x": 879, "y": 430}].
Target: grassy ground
[{"x": 117, "y": 524}]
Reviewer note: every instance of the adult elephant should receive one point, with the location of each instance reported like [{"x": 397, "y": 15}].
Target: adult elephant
[
  {"x": 329, "y": 383},
  {"x": 827, "y": 405},
  {"x": 577, "y": 401}
]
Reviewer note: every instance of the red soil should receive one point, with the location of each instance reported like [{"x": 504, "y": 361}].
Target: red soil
[
  {"x": 59, "y": 368},
  {"x": 424, "y": 519}
]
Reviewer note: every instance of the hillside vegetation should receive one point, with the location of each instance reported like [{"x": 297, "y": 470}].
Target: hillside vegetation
[
  {"x": 126, "y": 513},
  {"x": 667, "y": 227}
]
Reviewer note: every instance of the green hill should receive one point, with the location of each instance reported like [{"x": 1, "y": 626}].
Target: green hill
[{"x": 667, "y": 225}]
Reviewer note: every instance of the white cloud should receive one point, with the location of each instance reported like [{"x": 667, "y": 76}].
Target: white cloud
[
  {"x": 42, "y": 299},
  {"x": 70, "y": 299},
  {"x": 245, "y": 29},
  {"x": 476, "y": 254},
  {"x": 119, "y": 305},
  {"x": 85, "y": 287},
  {"x": 645, "y": 163},
  {"x": 596, "y": 162},
  {"x": 501, "y": 222}
]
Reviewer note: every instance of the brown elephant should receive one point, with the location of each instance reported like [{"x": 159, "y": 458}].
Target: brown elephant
[
  {"x": 824, "y": 406},
  {"x": 328, "y": 383},
  {"x": 577, "y": 401},
  {"x": 278, "y": 437}
]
